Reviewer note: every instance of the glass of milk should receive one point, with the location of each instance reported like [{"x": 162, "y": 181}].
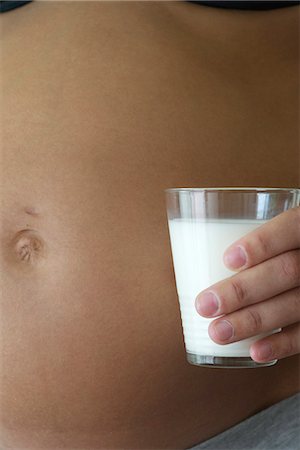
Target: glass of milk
[{"x": 203, "y": 222}]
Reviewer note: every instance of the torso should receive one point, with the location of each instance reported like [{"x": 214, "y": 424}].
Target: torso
[{"x": 105, "y": 106}]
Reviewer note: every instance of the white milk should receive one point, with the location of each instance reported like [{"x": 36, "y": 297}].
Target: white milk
[{"x": 197, "y": 248}]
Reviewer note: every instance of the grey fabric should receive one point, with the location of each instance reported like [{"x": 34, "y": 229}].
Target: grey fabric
[{"x": 277, "y": 427}]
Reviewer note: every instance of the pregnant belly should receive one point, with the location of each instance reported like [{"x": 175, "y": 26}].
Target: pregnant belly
[
  {"x": 92, "y": 350},
  {"x": 92, "y": 353}
]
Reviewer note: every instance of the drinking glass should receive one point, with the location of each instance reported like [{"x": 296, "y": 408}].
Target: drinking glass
[{"x": 202, "y": 223}]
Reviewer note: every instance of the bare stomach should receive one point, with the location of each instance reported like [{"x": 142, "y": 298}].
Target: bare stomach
[{"x": 92, "y": 350}]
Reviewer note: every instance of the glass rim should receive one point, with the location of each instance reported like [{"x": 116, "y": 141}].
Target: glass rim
[{"x": 232, "y": 189}]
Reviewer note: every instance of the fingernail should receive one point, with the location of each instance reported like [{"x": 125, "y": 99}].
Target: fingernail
[
  {"x": 222, "y": 330},
  {"x": 207, "y": 304},
  {"x": 235, "y": 258}
]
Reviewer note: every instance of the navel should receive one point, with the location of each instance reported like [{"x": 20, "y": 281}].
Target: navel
[{"x": 28, "y": 246}]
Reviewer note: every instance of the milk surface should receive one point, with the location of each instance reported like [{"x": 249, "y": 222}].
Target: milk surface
[{"x": 197, "y": 249}]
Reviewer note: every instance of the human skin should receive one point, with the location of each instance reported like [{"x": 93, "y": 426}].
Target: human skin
[
  {"x": 264, "y": 295},
  {"x": 106, "y": 105}
]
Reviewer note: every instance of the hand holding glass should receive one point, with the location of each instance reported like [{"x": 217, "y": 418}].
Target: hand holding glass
[{"x": 203, "y": 223}]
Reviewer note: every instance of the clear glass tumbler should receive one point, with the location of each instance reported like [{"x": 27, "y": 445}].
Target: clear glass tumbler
[{"x": 203, "y": 222}]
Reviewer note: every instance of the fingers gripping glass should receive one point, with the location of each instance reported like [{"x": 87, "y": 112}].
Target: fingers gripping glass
[{"x": 203, "y": 222}]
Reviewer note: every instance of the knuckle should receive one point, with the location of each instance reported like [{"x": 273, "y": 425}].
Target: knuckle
[
  {"x": 296, "y": 214},
  {"x": 297, "y": 301},
  {"x": 289, "y": 347},
  {"x": 254, "y": 321},
  {"x": 295, "y": 220},
  {"x": 290, "y": 267},
  {"x": 239, "y": 292},
  {"x": 263, "y": 244},
  {"x": 289, "y": 343}
]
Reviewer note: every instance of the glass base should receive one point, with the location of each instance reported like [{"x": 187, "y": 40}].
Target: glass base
[{"x": 226, "y": 362}]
